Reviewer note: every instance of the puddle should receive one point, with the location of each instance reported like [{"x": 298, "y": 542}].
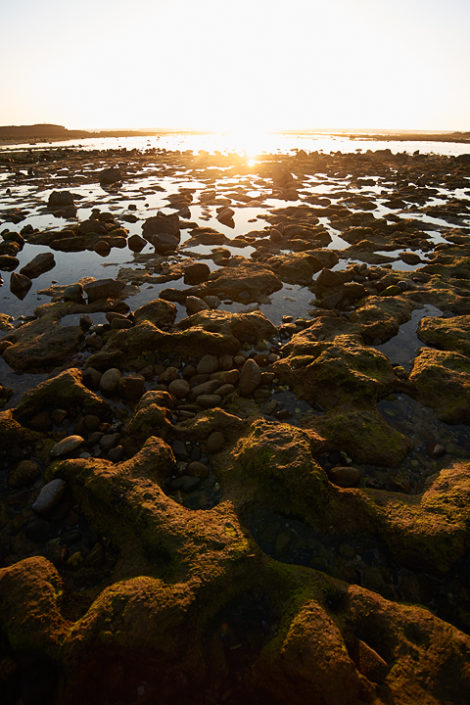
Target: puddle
[{"x": 402, "y": 348}]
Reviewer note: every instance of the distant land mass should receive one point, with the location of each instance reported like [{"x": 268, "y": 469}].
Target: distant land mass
[{"x": 47, "y": 131}]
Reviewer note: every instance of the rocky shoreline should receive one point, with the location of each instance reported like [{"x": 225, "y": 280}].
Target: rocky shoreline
[{"x": 234, "y": 436}]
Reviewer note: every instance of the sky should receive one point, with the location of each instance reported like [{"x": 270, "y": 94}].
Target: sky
[{"x": 236, "y": 65}]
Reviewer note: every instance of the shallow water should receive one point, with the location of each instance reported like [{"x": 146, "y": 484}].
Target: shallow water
[
  {"x": 254, "y": 144},
  {"x": 402, "y": 348}
]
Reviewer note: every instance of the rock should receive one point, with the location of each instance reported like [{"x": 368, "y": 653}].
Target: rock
[
  {"x": 103, "y": 289},
  {"x": 364, "y": 435},
  {"x": 164, "y": 243},
  {"x": 212, "y": 301},
  {"x": 197, "y": 469},
  {"x": 109, "y": 440},
  {"x": 24, "y": 473},
  {"x": 196, "y": 273},
  {"x": 246, "y": 327},
  {"x": 224, "y": 390},
  {"x": 38, "y": 265},
  {"x": 250, "y": 377},
  {"x": 208, "y": 400},
  {"x": 297, "y": 268},
  {"x": 132, "y": 387},
  {"x": 446, "y": 333},
  {"x": 410, "y": 257},
  {"x": 8, "y": 263},
  {"x": 168, "y": 375},
  {"x": 67, "y": 445},
  {"x": 102, "y": 248},
  {"x": 116, "y": 454},
  {"x": 442, "y": 379},
  {"x": 392, "y": 290},
  {"x": 327, "y": 278},
  {"x": 5, "y": 394},
  {"x": 194, "y": 305},
  {"x": 5, "y": 323},
  {"x": 49, "y": 496},
  {"x": 136, "y": 243},
  {"x": 225, "y": 362},
  {"x": 215, "y": 443},
  {"x": 369, "y": 663},
  {"x": 161, "y": 223},
  {"x": 59, "y": 199},
  {"x": 225, "y": 216},
  {"x": 121, "y": 323},
  {"x": 42, "y": 344},
  {"x": 41, "y": 421},
  {"x": 73, "y": 292},
  {"x": 65, "y": 390},
  {"x": 110, "y": 176},
  {"x": 179, "y": 388},
  {"x": 19, "y": 284},
  {"x": 158, "y": 311},
  {"x": 245, "y": 283},
  {"x": 344, "y": 475},
  {"x": 329, "y": 357},
  {"x": 110, "y": 379},
  {"x": 207, "y": 364},
  {"x": 185, "y": 483}
]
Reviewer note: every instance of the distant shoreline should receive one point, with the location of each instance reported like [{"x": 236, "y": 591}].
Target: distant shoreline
[{"x": 34, "y": 134}]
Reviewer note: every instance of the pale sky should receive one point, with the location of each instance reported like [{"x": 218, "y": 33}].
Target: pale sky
[{"x": 236, "y": 64}]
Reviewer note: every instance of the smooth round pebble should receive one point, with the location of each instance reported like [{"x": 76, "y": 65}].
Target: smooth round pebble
[
  {"x": 67, "y": 445},
  {"x": 179, "y": 388},
  {"x": 49, "y": 496}
]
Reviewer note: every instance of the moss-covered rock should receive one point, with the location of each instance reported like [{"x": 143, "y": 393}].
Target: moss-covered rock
[
  {"x": 364, "y": 435},
  {"x": 446, "y": 333},
  {"x": 15, "y": 439},
  {"x": 145, "y": 343},
  {"x": 431, "y": 530},
  {"x": 381, "y": 318},
  {"x": 38, "y": 626},
  {"x": 442, "y": 380},
  {"x": 246, "y": 327},
  {"x": 5, "y": 322},
  {"x": 332, "y": 368},
  {"x": 150, "y": 418},
  {"x": 41, "y": 345},
  {"x": 246, "y": 282},
  {"x": 158, "y": 311},
  {"x": 65, "y": 391}
]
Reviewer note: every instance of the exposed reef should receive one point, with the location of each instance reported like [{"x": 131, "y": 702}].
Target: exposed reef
[{"x": 235, "y": 428}]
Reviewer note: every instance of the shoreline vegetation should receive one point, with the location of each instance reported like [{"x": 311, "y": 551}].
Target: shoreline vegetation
[{"x": 13, "y": 134}]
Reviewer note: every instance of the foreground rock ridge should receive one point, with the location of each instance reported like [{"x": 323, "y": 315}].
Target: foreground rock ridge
[{"x": 234, "y": 463}]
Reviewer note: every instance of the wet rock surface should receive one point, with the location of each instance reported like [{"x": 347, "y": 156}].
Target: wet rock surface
[{"x": 234, "y": 437}]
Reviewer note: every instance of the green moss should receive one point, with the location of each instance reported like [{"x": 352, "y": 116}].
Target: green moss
[
  {"x": 364, "y": 436},
  {"x": 443, "y": 382},
  {"x": 446, "y": 333}
]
